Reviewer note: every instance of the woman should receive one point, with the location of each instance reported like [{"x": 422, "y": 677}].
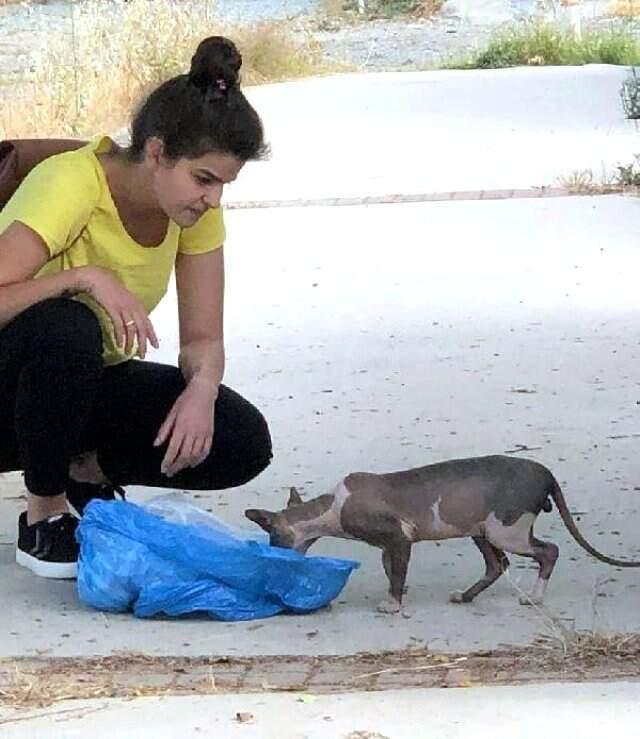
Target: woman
[{"x": 87, "y": 246}]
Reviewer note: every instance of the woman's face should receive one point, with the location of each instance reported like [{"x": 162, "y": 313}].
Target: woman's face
[{"x": 187, "y": 188}]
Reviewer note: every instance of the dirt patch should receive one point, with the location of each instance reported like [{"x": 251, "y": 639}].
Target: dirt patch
[{"x": 29, "y": 683}]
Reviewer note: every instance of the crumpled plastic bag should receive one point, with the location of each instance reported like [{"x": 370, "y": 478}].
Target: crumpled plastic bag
[
  {"x": 133, "y": 560},
  {"x": 179, "y": 509}
]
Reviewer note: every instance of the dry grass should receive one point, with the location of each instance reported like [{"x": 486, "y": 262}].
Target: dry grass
[
  {"x": 428, "y": 8},
  {"x": 30, "y": 684},
  {"x": 585, "y": 182},
  {"x": 333, "y": 8},
  {"x": 587, "y": 648},
  {"x": 349, "y": 9},
  {"x": 565, "y": 649},
  {"x": 270, "y": 54},
  {"x": 624, "y": 9},
  {"x": 92, "y": 81},
  {"x": 28, "y": 688}
]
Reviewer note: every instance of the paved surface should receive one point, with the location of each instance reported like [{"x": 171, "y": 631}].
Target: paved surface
[
  {"x": 386, "y": 133},
  {"x": 552, "y": 710},
  {"x": 385, "y": 336},
  {"x": 477, "y": 348}
]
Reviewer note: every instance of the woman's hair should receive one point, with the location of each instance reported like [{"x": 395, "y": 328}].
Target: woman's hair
[{"x": 201, "y": 111}]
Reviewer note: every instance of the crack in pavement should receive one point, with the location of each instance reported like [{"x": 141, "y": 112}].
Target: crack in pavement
[{"x": 434, "y": 197}]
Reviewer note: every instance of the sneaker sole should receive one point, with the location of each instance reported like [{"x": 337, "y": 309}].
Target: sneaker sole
[
  {"x": 52, "y": 570},
  {"x": 74, "y": 511}
]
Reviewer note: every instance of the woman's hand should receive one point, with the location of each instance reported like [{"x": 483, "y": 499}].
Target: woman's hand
[
  {"x": 189, "y": 427},
  {"x": 128, "y": 316}
]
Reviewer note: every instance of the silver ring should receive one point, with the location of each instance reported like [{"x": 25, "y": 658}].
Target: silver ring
[{"x": 129, "y": 323}]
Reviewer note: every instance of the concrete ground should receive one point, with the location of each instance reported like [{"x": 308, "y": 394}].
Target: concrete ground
[
  {"x": 377, "y": 337},
  {"x": 477, "y": 331},
  {"x": 421, "y": 132},
  {"x": 588, "y": 711}
]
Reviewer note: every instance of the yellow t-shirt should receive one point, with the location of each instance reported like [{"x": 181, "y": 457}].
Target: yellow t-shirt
[{"x": 66, "y": 200}]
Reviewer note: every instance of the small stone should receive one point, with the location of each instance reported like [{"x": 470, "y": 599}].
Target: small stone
[
  {"x": 244, "y": 717},
  {"x": 458, "y": 678}
]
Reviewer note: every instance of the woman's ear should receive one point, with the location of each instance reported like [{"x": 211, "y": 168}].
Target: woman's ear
[{"x": 154, "y": 151}]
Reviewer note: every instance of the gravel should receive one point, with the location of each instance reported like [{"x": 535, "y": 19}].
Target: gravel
[
  {"x": 384, "y": 45},
  {"x": 377, "y": 45},
  {"x": 463, "y": 27}
]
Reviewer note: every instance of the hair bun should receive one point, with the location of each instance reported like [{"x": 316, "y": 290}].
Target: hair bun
[{"x": 215, "y": 65}]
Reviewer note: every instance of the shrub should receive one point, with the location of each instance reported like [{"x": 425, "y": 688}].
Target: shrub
[
  {"x": 630, "y": 95},
  {"x": 629, "y": 175},
  {"x": 384, "y": 8},
  {"x": 538, "y": 44}
]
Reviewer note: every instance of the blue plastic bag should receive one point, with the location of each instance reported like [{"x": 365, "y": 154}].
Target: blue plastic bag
[{"x": 133, "y": 560}]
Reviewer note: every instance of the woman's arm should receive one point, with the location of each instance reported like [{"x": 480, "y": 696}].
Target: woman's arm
[
  {"x": 22, "y": 254},
  {"x": 200, "y": 285},
  {"x": 189, "y": 427}
]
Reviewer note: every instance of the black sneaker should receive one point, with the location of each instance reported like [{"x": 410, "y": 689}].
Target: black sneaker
[
  {"x": 49, "y": 548},
  {"x": 80, "y": 493}
]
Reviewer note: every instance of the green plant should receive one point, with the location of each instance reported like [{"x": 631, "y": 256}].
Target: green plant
[
  {"x": 535, "y": 43},
  {"x": 630, "y": 95},
  {"x": 629, "y": 175}
]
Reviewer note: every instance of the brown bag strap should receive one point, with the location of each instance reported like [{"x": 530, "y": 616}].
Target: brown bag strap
[{"x": 19, "y": 156}]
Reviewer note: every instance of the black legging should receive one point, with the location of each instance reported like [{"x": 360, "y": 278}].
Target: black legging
[{"x": 57, "y": 400}]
